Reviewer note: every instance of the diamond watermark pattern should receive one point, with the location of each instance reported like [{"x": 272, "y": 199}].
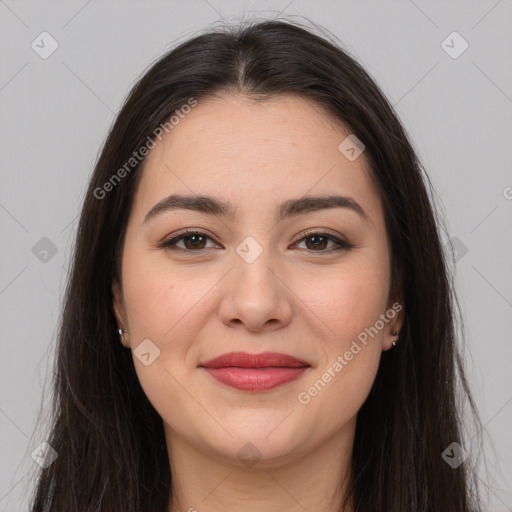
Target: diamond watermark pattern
[
  {"x": 44, "y": 455},
  {"x": 249, "y": 455},
  {"x": 44, "y": 250},
  {"x": 44, "y": 45},
  {"x": 249, "y": 249},
  {"x": 454, "y": 455},
  {"x": 457, "y": 248},
  {"x": 454, "y": 45},
  {"x": 351, "y": 147},
  {"x": 146, "y": 352}
]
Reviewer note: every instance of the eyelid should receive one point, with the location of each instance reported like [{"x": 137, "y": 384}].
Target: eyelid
[
  {"x": 320, "y": 231},
  {"x": 166, "y": 242},
  {"x": 340, "y": 241}
]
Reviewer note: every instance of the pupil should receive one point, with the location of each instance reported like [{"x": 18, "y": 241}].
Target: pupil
[
  {"x": 316, "y": 237},
  {"x": 194, "y": 237}
]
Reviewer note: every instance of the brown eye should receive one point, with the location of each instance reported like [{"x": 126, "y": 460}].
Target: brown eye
[
  {"x": 193, "y": 241},
  {"x": 318, "y": 242}
]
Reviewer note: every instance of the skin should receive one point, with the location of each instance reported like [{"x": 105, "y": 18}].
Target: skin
[{"x": 294, "y": 298}]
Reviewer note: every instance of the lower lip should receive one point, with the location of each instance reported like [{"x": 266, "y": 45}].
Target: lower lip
[{"x": 256, "y": 379}]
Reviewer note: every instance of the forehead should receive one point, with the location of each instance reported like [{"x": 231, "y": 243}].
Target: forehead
[{"x": 255, "y": 154}]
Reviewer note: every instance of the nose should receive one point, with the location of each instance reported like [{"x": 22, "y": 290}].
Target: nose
[{"x": 255, "y": 296}]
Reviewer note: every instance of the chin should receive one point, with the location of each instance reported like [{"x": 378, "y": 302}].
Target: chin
[{"x": 260, "y": 445}]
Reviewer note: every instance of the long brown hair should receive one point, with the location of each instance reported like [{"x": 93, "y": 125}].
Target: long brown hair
[{"x": 110, "y": 439}]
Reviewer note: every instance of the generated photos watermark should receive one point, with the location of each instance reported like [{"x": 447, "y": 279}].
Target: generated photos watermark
[
  {"x": 142, "y": 152},
  {"x": 304, "y": 397}
]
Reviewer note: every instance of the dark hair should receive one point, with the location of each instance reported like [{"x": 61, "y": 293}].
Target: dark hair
[{"x": 110, "y": 439}]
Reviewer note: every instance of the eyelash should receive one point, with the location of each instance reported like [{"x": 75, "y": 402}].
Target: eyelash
[{"x": 170, "y": 245}]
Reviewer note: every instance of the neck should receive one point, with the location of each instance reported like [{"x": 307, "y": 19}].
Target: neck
[{"x": 211, "y": 482}]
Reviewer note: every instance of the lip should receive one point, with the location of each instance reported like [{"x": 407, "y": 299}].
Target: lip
[
  {"x": 255, "y": 372},
  {"x": 262, "y": 360}
]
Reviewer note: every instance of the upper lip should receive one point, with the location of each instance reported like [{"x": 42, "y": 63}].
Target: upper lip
[{"x": 262, "y": 360}]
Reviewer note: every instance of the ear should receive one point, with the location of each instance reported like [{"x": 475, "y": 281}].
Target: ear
[
  {"x": 396, "y": 314},
  {"x": 119, "y": 310}
]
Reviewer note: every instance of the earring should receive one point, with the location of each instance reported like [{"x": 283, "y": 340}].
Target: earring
[
  {"x": 121, "y": 334},
  {"x": 393, "y": 333}
]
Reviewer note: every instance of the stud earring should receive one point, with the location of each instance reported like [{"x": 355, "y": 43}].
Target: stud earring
[
  {"x": 394, "y": 333},
  {"x": 121, "y": 334}
]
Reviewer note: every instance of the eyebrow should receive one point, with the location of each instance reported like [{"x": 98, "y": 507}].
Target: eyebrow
[{"x": 213, "y": 206}]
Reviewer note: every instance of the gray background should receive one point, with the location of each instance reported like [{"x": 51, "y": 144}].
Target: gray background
[{"x": 55, "y": 113}]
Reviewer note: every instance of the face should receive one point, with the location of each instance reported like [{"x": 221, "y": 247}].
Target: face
[{"x": 310, "y": 280}]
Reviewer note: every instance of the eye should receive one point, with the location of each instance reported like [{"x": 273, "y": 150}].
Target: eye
[
  {"x": 319, "y": 241},
  {"x": 194, "y": 241}
]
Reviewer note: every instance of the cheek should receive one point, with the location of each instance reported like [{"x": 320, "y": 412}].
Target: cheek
[
  {"x": 164, "y": 298},
  {"x": 167, "y": 306},
  {"x": 349, "y": 302},
  {"x": 347, "y": 299}
]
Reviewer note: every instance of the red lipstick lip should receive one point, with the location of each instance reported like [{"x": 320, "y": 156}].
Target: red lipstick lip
[
  {"x": 261, "y": 360},
  {"x": 255, "y": 372},
  {"x": 255, "y": 379}
]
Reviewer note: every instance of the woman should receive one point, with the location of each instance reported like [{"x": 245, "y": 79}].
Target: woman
[{"x": 259, "y": 314}]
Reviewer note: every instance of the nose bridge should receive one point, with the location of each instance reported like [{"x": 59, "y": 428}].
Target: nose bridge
[
  {"x": 252, "y": 273},
  {"x": 254, "y": 294}
]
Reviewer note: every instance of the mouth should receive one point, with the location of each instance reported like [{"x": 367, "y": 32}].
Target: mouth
[{"x": 255, "y": 372}]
